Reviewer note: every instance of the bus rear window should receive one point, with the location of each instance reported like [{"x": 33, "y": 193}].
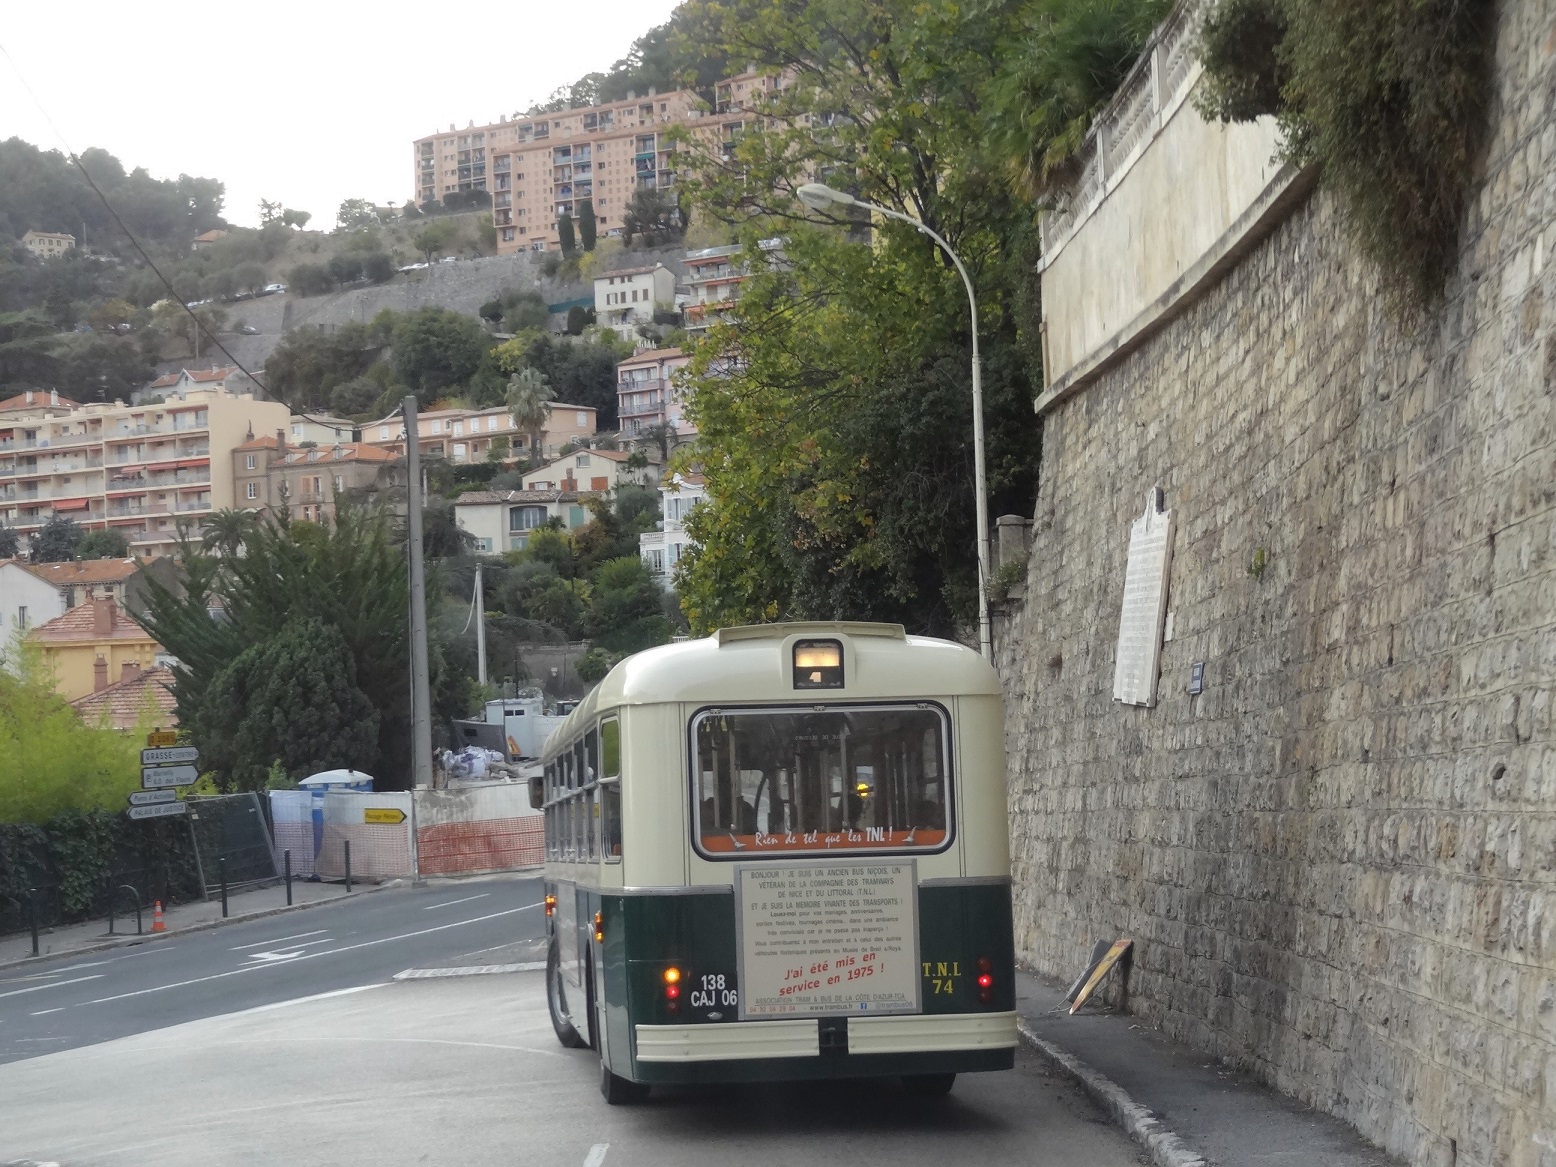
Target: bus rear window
[{"x": 821, "y": 780}]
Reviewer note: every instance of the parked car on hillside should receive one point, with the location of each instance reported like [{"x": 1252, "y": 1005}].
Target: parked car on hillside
[{"x": 272, "y": 289}]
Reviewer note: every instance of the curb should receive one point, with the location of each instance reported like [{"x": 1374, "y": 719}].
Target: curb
[
  {"x": 203, "y": 926},
  {"x": 1163, "y": 1145}
]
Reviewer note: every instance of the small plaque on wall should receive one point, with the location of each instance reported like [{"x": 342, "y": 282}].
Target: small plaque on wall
[{"x": 1197, "y": 679}]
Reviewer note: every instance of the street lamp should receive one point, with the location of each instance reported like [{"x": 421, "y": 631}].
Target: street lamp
[{"x": 819, "y": 197}]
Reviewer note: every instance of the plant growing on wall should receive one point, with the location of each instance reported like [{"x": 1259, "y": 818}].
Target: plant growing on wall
[{"x": 1389, "y": 97}]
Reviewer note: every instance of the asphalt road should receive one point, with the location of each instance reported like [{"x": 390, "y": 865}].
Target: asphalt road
[
  {"x": 466, "y": 1071},
  {"x": 79, "y": 1001}
]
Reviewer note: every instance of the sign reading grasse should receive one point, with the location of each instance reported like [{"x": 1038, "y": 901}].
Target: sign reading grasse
[{"x": 828, "y": 939}]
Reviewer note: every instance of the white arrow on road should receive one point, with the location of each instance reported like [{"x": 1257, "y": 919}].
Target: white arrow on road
[{"x": 273, "y": 957}]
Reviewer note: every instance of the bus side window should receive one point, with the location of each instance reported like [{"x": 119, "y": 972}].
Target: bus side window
[
  {"x": 610, "y": 820},
  {"x": 610, "y": 744}
]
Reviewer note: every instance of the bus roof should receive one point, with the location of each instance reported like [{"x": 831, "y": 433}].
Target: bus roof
[{"x": 745, "y": 664}]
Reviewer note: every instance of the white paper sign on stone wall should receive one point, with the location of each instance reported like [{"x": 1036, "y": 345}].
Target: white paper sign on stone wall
[{"x": 1145, "y": 604}]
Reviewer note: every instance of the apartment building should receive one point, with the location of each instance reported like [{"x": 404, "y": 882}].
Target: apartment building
[
  {"x": 627, "y": 297},
  {"x": 48, "y": 244},
  {"x": 714, "y": 278},
  {"x": 321, "y": 429},
  {"x": 662, "y": 549},
  {"x": 466, "y": 435},
  {"x": 308, "y": 482},
  {"x": 143, "y": 470},
  {"x": 540, "y": 168},
  {"x": 646, "y": 393}
]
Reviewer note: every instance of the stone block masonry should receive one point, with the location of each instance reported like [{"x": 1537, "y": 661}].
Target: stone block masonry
[{"x": 1339, "y": 861}]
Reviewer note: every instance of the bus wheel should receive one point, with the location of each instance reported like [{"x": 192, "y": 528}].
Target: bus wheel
[
  {"x": 556, "y": 1002},
  {"x": 617, "y": 1090},
  {"x": 928, "y": 1085}
]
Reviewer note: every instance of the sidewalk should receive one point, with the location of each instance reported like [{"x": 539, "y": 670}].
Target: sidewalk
[
  {"x": 1182, "y": 1105},
  {"x": 92, "y": 935}
]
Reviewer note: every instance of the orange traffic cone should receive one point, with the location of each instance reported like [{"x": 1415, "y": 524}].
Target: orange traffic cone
[{"x": 156, "y": 919}]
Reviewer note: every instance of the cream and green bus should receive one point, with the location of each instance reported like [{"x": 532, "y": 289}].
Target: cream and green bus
[{"x": 781, "y": 853}]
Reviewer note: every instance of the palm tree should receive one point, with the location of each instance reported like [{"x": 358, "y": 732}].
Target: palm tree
[
  {"x": 528, "y": 400},
  {"x": 227, "y": 531}
]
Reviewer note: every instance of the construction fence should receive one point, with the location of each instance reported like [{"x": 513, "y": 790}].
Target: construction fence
[{"x": 469, "y": 829}]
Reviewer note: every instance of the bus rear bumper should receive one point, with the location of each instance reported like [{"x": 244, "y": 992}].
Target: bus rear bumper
[{"x": 753, "y": 1051}]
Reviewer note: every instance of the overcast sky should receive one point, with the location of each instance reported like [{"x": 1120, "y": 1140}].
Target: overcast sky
[{"x": 302, "y": 103}]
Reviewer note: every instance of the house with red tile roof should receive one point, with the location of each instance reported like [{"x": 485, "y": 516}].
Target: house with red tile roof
[
  {"x": 139, "y": 697},
  {"x": 270, "y": 474},
  {"x": 90, "y": 645}
]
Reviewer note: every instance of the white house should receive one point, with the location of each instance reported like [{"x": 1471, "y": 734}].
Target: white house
[
  {"x": 586, "y": 470},
  {"x": 628, "y": 297},
  {"x": 661, "y": 550},
  {"x": 501, "y": 520},
  {"x": 35, "y": 593}
]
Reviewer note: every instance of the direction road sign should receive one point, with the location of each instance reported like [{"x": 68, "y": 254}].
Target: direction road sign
[
  {"x": 383, "y": 814},
  {"x": 158, "y": 810},
  {"x": 148, "y": 797},
  {"x": 176, "y": 755},
  {"x": 161, "y": 737},
  {"x": 155, "y": 777}
]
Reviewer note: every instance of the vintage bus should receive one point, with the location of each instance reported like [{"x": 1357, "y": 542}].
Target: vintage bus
[{"x": 781, "y": 853}]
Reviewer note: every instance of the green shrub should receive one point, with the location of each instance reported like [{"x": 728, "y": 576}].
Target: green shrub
[{"x": 1389, "y": 97}]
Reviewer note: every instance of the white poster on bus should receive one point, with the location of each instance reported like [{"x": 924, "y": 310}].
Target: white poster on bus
[{"x": 828, "y": 939}]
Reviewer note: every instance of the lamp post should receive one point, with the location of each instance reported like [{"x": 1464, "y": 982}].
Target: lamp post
[{"x": 819, "y": 197}]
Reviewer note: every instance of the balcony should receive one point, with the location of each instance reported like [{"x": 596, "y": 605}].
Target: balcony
[
  {"x": 125, "y": 510},
  {"x": 197, "y": 505}
]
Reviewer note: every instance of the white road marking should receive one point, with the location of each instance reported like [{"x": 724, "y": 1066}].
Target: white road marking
[
  {"x": 46, "y": 1012},
  {"x": 53, "y": 985},
  {"x": 469, "y": 970},
  {"x": 596, "y": 1155},
  {"x": 450, "y": 903},
  {"x": 278, "y": 940},
  {"x": 290, "y": 952},
  {"x": 307, "y": 956},
  {"x": 305, "y": 1000}
]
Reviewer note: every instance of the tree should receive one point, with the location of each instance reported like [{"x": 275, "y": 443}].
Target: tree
[
  {"x": 56, "y": 541},
  {"x": 8, "y": 542},
  {"x": 834, "y": 419},
  {"x": 378, "y": 267},
  {"x": 564, "y": 231},
  {"x": 624, "y": 607},
  {"x": 435, "y": 238},
  {"x": 55, "y": 762},
  {"x": 294, "y": 218},
  {"x": 654, "y": 215},
  {"x": 269, "y": 212},
  {"x": 345, "y": 268},
  {"x": 588, "y": 225},
  {"x": 525, "y": 312},
  {"x": 291, "y": 698},
  {"x": 528, "y": 395},
  {"x": 308, "y": 581},
  {"x": 310, "y": 279},
  {"x": 577, "y": 320},
  {"x": 355, "y": 215},
  {"x": 227, "y": 530},
  {"x": 435, "y": 349},
  {"x": 410, "y": 210},
  {"x": 106, "y": 543},
  {"x": 309, "y": 363}
]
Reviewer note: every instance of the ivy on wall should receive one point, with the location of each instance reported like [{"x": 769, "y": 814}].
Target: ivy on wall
[{"x": 1390, "y": 97}]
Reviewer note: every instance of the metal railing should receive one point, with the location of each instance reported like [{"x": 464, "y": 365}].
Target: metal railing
[{"x": 1156, "y": 83}]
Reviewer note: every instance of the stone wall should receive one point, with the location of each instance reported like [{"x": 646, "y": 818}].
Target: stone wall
[{"x": 1339, "y": 861}]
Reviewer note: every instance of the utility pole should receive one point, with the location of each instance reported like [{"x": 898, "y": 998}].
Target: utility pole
[
  {"x": 480, "y": 626},
  {"x": 421, "y": 704}
]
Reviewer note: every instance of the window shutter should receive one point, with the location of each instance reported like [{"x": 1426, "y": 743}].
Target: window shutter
[{"x": 1145, "y": 605}]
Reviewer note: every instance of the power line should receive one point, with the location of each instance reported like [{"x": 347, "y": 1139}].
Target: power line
[{"x": 130, "y": 235}]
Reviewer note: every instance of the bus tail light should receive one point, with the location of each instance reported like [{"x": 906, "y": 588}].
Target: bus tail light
[
  {"x": 599, "y": 926},
  {"x": 985, "y": 981},
  {"x": 672, "y": 979},
  {"x": 550, "y": 906}
]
